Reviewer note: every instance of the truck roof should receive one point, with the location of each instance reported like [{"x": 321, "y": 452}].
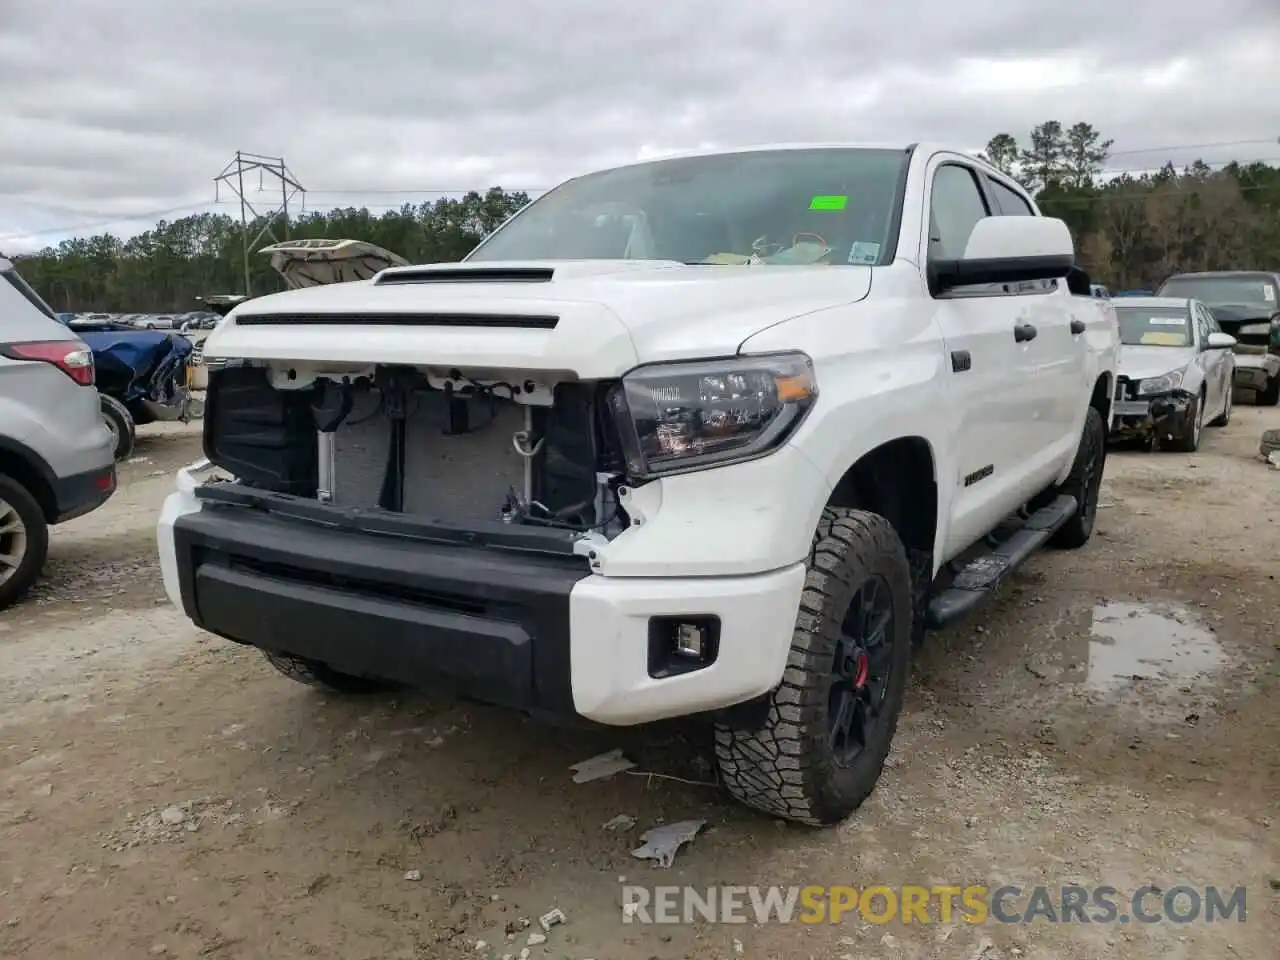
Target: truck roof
[
  {"x": 1216, "y": 274},
  {"x": 928, "y": 148}
]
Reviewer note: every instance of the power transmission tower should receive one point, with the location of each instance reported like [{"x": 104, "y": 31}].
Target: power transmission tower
[{"x": 233, "y": 175}]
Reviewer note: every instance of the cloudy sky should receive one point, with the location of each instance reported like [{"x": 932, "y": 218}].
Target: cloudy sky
[{"x": 116, "y": 114}]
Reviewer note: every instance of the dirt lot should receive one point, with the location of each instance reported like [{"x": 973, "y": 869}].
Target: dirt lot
[{"x": 1110, "y": 719}]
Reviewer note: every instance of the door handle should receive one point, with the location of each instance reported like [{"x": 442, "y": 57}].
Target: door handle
[
  {"x": 1024, "y": 332},
  {"x": 1077, "y": 327}
]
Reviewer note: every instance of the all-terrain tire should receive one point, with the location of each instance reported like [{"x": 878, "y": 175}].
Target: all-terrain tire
[
  {"x": 1224, "y": 418},
  {"x": 786, "y": 765},
  {"x": 1270, "y": 396},
  {"x": 313, "y": 673},
  {"x": 29, "y": 546},
  {"x": 1084, "y": 483},
  {"x": 1189, "y": 440},
  {"x": 119, "y": 421}
]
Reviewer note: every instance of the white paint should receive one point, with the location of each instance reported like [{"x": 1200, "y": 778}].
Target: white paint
[{"x": 731, "y": 541}]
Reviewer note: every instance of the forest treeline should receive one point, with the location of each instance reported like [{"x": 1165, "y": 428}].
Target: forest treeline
[{"x": 1131, "y": 229}]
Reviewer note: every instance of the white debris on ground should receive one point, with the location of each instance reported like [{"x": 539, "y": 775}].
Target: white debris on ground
[
  {"x": 551, "y": 918},
  {"x": 600, "y": 767},
  {"x": 619, "y": 824},
  {"x": 661, "y": 843}
]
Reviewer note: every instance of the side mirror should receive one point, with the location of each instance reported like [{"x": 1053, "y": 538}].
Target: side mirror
[
  {"x": 1220, "y": 341},
  {"x": 1008, "y": 250}
]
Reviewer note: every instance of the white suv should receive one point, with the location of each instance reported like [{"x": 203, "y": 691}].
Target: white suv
[{"x": 698, "y": 435}]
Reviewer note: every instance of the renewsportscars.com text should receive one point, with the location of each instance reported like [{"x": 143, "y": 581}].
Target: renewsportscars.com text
[{"x": 937, "y": 904}]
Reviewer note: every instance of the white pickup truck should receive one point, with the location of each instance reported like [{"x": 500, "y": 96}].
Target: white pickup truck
[{"x": 717, "y": 434}]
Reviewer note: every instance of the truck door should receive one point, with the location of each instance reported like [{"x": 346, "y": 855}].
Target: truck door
[
  {"x": 1058, "y": 355},
  {"x": 988, "y": 367}
]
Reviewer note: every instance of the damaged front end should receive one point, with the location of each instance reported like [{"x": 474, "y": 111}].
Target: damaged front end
[
  {"x": 1154, "y": 409},
  {"x": 432, "y": 453}
]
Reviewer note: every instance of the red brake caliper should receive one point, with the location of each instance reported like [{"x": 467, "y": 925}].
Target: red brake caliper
[{"x": 861, "y": 672}]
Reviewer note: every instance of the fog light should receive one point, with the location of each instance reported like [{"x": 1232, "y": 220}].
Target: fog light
[
  {"x": 691, "y": 640},
  {"x": 682, "y": 643}
]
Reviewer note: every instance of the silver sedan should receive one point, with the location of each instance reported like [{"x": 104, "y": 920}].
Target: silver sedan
[{"x": 1175, "y": 373}]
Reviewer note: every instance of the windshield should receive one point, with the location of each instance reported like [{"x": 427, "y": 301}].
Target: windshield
[
  {"x": 827, "y": 206},
  {"x": 1222, "y": 291},
  {"x": 1158, "y": 327}
]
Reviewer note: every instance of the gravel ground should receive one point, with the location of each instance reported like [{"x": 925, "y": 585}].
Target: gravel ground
[{"x": 1109, "y": 719}]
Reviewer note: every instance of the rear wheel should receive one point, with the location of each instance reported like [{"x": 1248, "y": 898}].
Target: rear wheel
[
  {"x": 119, "y": 423},
  {"x": 313, "y": 673},
  {"x": 1270, "y": 396},
  {"x": 24, "y": 541},
  {"x": 820, "y": 749},
  {"x": 1084, "y": 483}
]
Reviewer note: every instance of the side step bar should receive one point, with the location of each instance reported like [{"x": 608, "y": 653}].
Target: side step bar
[{"x": 983, "y": 574}]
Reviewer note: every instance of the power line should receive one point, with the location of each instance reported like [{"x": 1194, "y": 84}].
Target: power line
[
  {"x": 122, "y": 218},
  {"x": 1194, "y": 146}
]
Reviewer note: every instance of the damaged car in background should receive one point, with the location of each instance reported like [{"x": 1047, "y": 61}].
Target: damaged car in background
[
  {"x": 1175, "y": 374},
  {"x": 1246, "y": 304},
  {"x": 142, "y": 376}
]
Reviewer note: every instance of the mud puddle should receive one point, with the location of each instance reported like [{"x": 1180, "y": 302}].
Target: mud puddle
[
  {"x": 1156, "y": 661},
  {"x": 1147, "y": 642}
]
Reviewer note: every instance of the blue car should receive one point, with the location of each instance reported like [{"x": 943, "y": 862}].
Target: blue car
[{"x": 141, "y": 375}]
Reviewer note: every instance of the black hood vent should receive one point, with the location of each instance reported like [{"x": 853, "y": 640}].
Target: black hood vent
[
  {"x": 451, "y": 273},
  {"x": 508, "y": 321}
]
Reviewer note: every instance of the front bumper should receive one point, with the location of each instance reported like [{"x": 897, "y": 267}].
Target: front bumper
[
  {"x": 1165, "y": 415},
  {"x": 1254, "y": 370},
  {"x": 536, "y": 632}
]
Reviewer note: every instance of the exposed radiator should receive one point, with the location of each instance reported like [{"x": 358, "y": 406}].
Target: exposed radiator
[{"x": 454, "y": 478}]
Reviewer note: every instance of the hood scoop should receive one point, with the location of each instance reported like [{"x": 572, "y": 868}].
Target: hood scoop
[{"x": 458, "y": 273}]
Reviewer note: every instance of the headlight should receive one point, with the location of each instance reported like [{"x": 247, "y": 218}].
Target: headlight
[
  {"x": 675, "y": 417},
  {"x": 1167, "y": 384}
]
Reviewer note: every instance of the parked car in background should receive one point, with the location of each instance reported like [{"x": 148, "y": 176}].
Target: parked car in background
[
  {"x": 55, "y": 454},
  {"x": 1246, "y": 304},
  {"x": 1175, "y": 373},
  {"x": 1099, "y": 291},
  {"x": 142, "y": 376}
]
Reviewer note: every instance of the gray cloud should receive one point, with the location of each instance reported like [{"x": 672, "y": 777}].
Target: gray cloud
[{"x": 120, "y": 110}]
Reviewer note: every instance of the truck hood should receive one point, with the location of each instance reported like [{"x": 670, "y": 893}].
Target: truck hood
[
  {"x": 593, "y": 319},
  {"x": 1140, "y": 362},
  {"x": 319, "y": 261}
]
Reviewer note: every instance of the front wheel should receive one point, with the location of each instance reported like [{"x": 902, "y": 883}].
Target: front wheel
[
  {"x": 1189, "y": 440},
  {"x": 820, "y": 749},
  {"x": 24, "y": 541},
  {"x": 1224, "y": 418}
]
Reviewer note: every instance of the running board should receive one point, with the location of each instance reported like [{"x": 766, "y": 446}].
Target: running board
[{"x": 979, "y": 578}]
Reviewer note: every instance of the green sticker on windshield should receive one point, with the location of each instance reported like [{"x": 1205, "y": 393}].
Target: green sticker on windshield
[{"x": 828, "y": 203}]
